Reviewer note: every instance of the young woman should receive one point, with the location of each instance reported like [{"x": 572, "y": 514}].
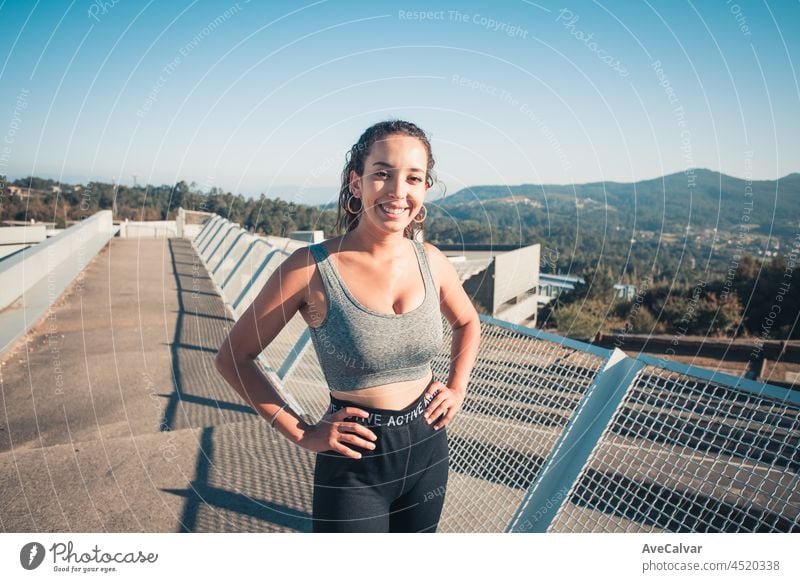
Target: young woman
[{"x": 373, "y": 299}]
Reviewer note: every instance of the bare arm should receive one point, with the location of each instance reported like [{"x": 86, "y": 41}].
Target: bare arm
[
  {"x": 463, "y": 318},
  {"x": 276, "y": 304}
]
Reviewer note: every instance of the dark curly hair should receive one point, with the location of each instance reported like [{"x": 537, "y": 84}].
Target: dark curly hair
[{"x": 357, "y": 155}]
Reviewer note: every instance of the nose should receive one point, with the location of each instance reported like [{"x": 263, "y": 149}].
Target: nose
[{"x": 397, "y": 189}]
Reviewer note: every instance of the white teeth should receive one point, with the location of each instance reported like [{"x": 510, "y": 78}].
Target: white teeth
[{"x": 393, "y": 210}]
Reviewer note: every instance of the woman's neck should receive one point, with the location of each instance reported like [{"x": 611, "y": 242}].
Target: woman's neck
[{"x": 378, "y": 244}]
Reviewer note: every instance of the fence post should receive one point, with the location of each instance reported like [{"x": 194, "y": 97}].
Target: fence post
[
  {"x": 239, "y": 263},
  {"x": 206, "y": 243},
  {"x": 222, "y": 240},
  {"x": 228, "y": 252},
  {"x": 577, "y": 441},
  {"x": 207, "y": 227},
  {"x": 253, "y": 278},
  {"x": 294, "y": 355}
]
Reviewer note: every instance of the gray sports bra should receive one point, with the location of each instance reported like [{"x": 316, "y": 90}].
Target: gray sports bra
[{"x": 358, "y": 347}]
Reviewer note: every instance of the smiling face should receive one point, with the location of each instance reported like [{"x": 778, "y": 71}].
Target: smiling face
[{"x": 393, "y": 187}]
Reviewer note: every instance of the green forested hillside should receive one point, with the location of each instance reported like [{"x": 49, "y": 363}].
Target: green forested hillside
[
  {"x": 700, "y": 199},
  {"x": 664, "y": 227},
  {"x": 677, "y": 225}
]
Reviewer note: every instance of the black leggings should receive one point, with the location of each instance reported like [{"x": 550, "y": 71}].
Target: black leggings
[{"x": 397, "y": 487}]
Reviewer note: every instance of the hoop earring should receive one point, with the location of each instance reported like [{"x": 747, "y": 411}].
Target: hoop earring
[
  {"x": 350, "y": 210},
  {"x": 424, "y": 216}
]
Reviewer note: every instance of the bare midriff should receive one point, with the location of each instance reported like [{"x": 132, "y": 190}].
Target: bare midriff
[{"x": 395, "y": 396}]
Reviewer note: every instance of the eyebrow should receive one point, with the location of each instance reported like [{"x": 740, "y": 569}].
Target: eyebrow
[{"x": 380, "y": 163}]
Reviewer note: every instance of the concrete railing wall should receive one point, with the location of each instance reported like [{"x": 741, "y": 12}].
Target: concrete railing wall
[{"x": 23, "y": 270}]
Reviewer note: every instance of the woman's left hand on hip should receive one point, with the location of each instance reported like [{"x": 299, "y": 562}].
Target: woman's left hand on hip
[{"x": 447, "y": 402}]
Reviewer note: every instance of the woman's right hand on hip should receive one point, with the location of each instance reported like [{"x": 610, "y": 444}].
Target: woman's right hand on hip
[{"x": 332, "y": 432}]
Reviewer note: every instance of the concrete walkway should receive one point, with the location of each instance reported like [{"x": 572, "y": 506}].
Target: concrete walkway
[{"x": 115, "y": 419}]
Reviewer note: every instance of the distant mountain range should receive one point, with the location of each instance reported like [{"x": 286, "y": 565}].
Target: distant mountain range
[{"x": 699, "y": 198}]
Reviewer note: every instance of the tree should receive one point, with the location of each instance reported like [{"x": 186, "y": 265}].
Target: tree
[
  {"x": 716, "y": 316},
  {"x": 581, "y": 321}
]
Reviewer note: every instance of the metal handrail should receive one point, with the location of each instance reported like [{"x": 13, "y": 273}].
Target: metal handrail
[{"x": 588, "y": 424}]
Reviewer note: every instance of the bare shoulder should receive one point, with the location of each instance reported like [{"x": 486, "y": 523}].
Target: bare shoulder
[
  {"x": 443, "y": 270},
  {"x": 333, "y": 243},
  {"x": 434, "y": 253},
  {"x": 299, "y": 259},
  {"x": 296, "y": 271},
  {"x": 301, "y": 263}
]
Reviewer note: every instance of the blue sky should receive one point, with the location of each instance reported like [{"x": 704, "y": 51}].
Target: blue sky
[{"x": 266, "y": 97}]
